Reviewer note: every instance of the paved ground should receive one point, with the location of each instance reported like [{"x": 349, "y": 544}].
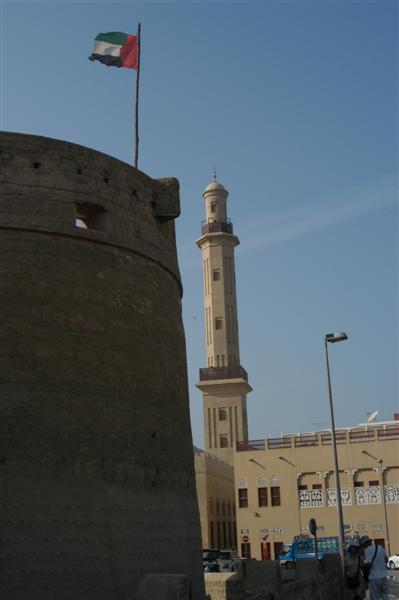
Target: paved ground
[{"x": 394, "y": 585}]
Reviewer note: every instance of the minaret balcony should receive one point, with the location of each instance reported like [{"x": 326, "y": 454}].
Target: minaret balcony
[
  {"x": 217, "y": 227},
  {"x": 230, "y": 372}
]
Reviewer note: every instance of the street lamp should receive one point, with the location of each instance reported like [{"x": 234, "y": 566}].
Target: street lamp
[
  {"x": 332, "y": 338},
  {"x": 381, "y": 474}
]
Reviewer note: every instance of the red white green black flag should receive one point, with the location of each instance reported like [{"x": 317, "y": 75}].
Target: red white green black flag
[{"x": 116, "y": 49}]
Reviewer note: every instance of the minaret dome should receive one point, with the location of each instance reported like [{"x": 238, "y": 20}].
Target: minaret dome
[{"x": 215, "y": 196}]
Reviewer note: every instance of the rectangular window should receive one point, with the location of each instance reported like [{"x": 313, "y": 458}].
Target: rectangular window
[
  {"x": 213, "y": 206},
  {"x": 243, "y": 498},
  {"x": 302, "y": 487},
  {"x": 262, "y": 496},
  {"x": 91, "y": 216},
  {"x": 230, "y": 540},
  {"x": 374, "y": 482},
  {"x": 246, "y": 550},
  {"x": 275, "y": 495},
  {"x": 216, "y": 274},
  {"x": 358, "y": 484},
  {"x": 218, "y": 533},
  {"x": 218, "y": 323},
  {"x": 316, "y": 486},
  {"x": 224, "y": 534},
  {"x": 212, "y": 538}
]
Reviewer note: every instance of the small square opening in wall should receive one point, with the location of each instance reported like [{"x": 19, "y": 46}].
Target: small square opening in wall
[
  {"x": 216, "y": 275},
  {"x": 91, "y": 216},
  {"x": 218, "y": 323}
]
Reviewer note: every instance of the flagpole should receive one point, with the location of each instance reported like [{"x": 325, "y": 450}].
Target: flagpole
[{"x": 136, "y": 123}]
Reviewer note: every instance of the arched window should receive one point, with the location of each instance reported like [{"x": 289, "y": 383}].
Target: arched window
[
  {"x": 242, "y": 482},
  {"x": 224, "y": 442},
  {"x": 262, "y": 482}
]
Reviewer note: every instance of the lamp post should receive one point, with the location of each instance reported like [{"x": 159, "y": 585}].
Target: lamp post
[
  {"x": 332, "y": 338},
  {"x": 381, "y": 474}
]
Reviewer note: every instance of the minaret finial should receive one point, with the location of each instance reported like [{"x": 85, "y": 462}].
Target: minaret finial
[{"x": 214, "y": 174}]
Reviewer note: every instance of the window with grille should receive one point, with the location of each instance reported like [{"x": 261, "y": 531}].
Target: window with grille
[
  {"x": 275, "y": 496},
  {"x": 262, "y": 496},
  {"x": 222, "y": 414},
  {"x": 243, "y": 498}
]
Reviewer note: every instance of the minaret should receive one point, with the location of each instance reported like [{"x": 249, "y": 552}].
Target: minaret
[{"x": 224, "y": 382}]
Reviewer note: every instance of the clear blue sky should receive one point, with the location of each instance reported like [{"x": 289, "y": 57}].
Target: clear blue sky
[{"x": 296, "y": 105}]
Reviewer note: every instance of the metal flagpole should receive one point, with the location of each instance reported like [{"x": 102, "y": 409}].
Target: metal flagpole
[{"x": 136, "y": 123}]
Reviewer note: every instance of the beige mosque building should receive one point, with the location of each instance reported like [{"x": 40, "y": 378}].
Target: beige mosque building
[{"x": 257, "y": 495}]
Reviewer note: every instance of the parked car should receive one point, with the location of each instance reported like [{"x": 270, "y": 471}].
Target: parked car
[
  {"x": 393, "y": 561},
  {"x": 228, "y": 560},
  {"x": 210, "y": 560}
]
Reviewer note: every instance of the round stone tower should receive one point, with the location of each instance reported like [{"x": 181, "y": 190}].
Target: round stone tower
[{"x": 97, "y": 484}]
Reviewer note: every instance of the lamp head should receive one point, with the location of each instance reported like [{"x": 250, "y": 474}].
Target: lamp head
[{"x": 338, "y": 336}]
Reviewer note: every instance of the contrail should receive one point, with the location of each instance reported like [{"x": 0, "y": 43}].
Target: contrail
[{"x": 305, "y": 220}]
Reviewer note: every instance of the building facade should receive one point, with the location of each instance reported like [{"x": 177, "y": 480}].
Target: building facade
[
  {"x": 216, "y": 499},
  {"x": 283, "y": 482}
]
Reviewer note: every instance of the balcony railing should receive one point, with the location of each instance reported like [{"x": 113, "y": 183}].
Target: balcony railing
[
  {"x": 250, "y": 445},
  {"x": 306, "y": 440},
  {"x": 362, "y": 435},
  {"x": 281, "y": 442},
  {"x": 391, "y": 494},
  {"x": 230, "y": 372},
  {"x": 391, "y": 433},
  {"x": 310, "y": 498},
  {"x": 368, "y": 495},
  {"x": 216, "y": 227},
  {"x": 346, "y": 497},
  {"x": 340, "y": 437}
]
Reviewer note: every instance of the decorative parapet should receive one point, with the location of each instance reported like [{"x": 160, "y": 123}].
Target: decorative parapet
[
  {"x": 391, "y": 494},
  {"x": 346, "y": 497},
  {"x": 368, "y": 495},
  {"x": 310, "y": 498}
]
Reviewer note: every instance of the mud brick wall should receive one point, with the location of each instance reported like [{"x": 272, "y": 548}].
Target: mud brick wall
[{"x": 97, "y": 483}]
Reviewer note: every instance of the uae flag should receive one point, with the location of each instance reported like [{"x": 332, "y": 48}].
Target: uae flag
[{"x": 116, "y": 49}]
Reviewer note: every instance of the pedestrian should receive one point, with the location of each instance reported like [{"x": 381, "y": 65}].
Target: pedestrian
[
  {"x": 375, "y": 568},
  {"x": 355, "y": 588}
]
